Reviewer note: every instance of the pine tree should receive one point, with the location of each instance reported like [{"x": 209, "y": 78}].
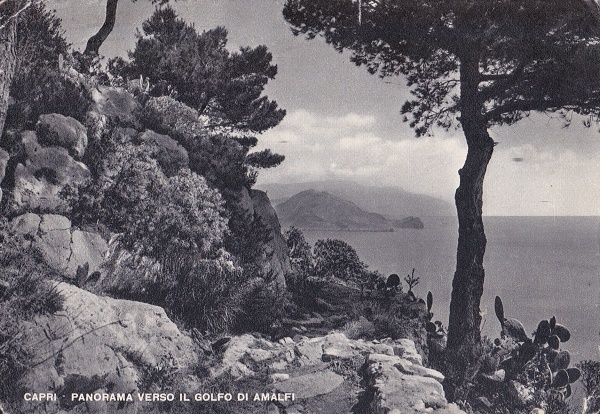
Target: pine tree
[
  {"x": 473, "y": 63},
  {"x": 204, "y": 75}
]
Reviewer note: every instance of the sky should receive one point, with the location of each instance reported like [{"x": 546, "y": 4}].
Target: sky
[{"x": 344, "y": 124}]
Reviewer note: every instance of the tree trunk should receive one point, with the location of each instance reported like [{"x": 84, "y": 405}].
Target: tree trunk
[
  {"x": 94, "y": 42},
  {"x": 467, "y": 285},
  {"x": 8, "y": 60}
]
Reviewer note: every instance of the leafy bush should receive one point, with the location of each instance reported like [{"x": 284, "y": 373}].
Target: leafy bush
[
  {"x": 301, "y": 256},
  {"x": 360, "y": 329},
  {"x": 221, "y": 158},
  {"x": 156, "y": 214},
  {"x": 336, "y": 258}
]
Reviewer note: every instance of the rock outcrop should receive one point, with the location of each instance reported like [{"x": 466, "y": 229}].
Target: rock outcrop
[
  {"x": 45, "y": 171},
  {"x": 397, "y": 382},
  {"x": 401, "y": 387},
  {"x": 4, "y": 157},
  {"x": 116, "y": 105},
  {"x": 277, "y": 258},
  {"x": 54, "y": 130},
  {"x": 102, "y": 345},
  {"x": 63, "y": 248}
]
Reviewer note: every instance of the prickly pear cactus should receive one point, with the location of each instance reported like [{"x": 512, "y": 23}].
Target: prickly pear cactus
[{"x": 537, "y": 361}]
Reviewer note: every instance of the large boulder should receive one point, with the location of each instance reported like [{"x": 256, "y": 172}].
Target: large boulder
[
  {"x": 277, "y": 258},
  {"x": 115, "y": 105},
  {"x": 45, "y": 171},
  {"x": 55, "y": 130},
  {"x": 400, "y": 386},
  {"x": 170, "y": 155},
  {"x": 102, "y": 345},
  {"x": 64, "y": 249}
]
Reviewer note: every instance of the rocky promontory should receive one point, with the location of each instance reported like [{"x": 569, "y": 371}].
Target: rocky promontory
[
  {"x": 408, "y": 223},
  {"x": 320, "y": 210}
]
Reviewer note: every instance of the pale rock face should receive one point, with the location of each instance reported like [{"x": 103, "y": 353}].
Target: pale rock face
[
  {"x": 54, "y": 240},
  {"x": 55, "y": 130},
  {"x": 311, "y": 352},
  {"x": 116, "y": 105},
  {"x": 4, "y": 157},
  {"x": 86, "y": 247},
  {"x": 64, "y": 249},
  {"x": 278, "y": 259},
  {"x": 404, "y": 392},
  {"x": 400, "y": 384},
  {"x": 311, "y": 385},
  {"x": 258, "y": 349},
  {"x": 45, "y": 172},
  {"x": 405, "y": 348},
  {"x": 98, "y": 344}
]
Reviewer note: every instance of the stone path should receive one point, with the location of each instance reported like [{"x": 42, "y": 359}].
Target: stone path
[{"x": 323, "y": 374}]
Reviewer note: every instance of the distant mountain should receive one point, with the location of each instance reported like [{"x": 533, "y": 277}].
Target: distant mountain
[
  {"x": 392, "y": 202},
  {"x": 319, "y": 210}
]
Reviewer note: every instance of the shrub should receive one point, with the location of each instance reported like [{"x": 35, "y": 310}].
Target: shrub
[
  {"x": 207, "y": 296},
  {"x": 301, "y": 256},
  {"x": 220, "y": 158},
  {"x": 202, "y": 293},
  {"x": 157, "y": 214},
  {"x": 336, "y": 258},
  {"x": 39, "y": 86},
  {"x": 263, "y": 306},
  {"x": 359, "y": 329},
  {"x": 25, "y": 291}
]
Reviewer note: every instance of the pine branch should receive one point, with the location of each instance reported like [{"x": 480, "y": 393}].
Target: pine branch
[{"x": 542, "y": 105}]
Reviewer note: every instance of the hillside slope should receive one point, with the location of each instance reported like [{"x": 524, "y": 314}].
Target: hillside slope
[
  {"x": 392, "y": 202},
  {"x": 319, "y": 210}
]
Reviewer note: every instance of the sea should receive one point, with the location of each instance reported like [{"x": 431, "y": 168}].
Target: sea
[{"x": 539, "y": 266}]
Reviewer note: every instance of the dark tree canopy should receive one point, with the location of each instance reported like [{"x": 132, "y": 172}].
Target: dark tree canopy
[
  {"x": 531, "y": 55},
  {"x": 472, "y": 63},
  {"x": 202, "y": 73}
]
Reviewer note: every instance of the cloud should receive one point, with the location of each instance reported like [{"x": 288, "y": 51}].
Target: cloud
[
  {"x": 350, "y": 147},
  {"x": 525, "y": 179}
]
